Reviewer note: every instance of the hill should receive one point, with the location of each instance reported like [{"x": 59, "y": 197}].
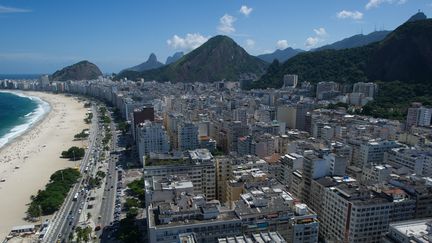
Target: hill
[
  {"x": 405, "y": 55},
  {"x": 417, "y": 16},
  {"x": 280, "y": 55},
  {"x": 356, "y": 41},
  {"x": 151, "y": 63},
  {"x": 174, "y": 58},
  {"x": 217, "y": 59},
  {"x": 83, "y": 70},
  {"x": 401, "y": 64}
]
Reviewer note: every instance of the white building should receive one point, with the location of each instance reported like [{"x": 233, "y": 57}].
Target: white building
[
  {"x": 372, "y": 152},
  {"x": 372, "y": 174},
  {"x": 289, "y": 163},
  {"x": 410, "y": 231},
  {"x": 199, "y": 167},
  {"x": 417, "y": 161},
  {"x": 418, "y": 115},
  {"x": 151, "y": 138}
]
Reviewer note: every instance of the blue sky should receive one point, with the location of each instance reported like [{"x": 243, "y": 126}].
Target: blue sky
[{"x": 42, "y": 36}]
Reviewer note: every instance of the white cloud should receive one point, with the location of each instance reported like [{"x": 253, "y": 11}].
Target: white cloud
[
  {"x": 245, "y": 10},
  {"x": 375, "y": 3},
  {"x": 226, "y": 24},
  {"x": 344, "y": 14},
  {"x": 320, "y": 32},
  {"x": 189, "y": 42},
  {"x": 282, "y": 44},
  {"x": 312, "y": 41},
  {"x": 250, "y": 44},
  {"x": 4, "y": 9}
]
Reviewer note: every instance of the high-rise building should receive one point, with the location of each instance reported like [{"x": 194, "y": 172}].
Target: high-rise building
[
  {"x": 287, "y": 115},
  {"x": 313, "y": 167},
  {"x": 288, "y": 164},
  {"x": 290, "y": 80},
  {"x": 187, "y": 135},
  {"x": 141, "y": 115},
  {"x": 410, "y": 231},
  {"x": 151, "y": 138},
  {"x": 418, "y": 115},
  {"x": 372, "y": 152},
  {"x": 199, "y": 166},
  {"x": 325, "y": 90},
  {"x": 44, "y": 82},
  {"x": 368, "y": 89},
  {"x": 235, "y": 130},
  {"x": 352, "y": 213},
  {"x": 417, "y": 161}
]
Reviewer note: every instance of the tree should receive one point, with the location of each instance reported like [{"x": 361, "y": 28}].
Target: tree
[
  {"x": 50, "y": 199},
  {"x": 73, "y": 153}
]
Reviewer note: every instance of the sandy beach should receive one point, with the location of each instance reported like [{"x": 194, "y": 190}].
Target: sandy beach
[{"x": 27, "y": 162}]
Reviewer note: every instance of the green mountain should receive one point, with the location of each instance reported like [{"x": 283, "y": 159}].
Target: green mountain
[
  {"x": 151, "y": 63},
  {"x": 401, "y": 64},
  {"x": 280, "y": 55},
  {"x": 405, "y": 55},
  {"x": 217, "y": 59},
  {"x": 356, "y": 41},
  {"x": 83, "y": 70}
]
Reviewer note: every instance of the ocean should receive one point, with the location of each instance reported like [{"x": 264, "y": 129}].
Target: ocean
[
  {"x": 20, "y": 76},
  {"x": 18, "y": 113}
]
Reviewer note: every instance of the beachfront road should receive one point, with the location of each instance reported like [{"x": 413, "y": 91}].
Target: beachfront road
[
  {"x": 67, "y": 216},
  {"x": 110, "y": 193}
]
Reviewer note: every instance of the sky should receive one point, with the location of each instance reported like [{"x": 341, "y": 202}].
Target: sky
[{"x": 43, "y": 36}]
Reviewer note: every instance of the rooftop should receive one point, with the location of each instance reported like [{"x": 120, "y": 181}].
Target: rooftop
[{"x": 416, "y": 229}]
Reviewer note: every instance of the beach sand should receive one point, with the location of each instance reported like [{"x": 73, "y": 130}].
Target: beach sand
[{"x": 37, "y": 154}]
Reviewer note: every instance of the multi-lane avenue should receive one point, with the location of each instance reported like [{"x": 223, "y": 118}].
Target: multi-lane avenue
[
  {"x": 112, "y": 192},
  {"x": 67, "y": 216}
]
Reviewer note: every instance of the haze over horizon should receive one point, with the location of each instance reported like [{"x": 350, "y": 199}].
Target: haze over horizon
[{"x": 44, "y": 36}]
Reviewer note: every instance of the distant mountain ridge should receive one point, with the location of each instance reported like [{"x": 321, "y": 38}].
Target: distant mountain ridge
[
  {"x": 217, "y": 59},
  {"x": 405, "y": 55},
  {"x": 174, "y": 57},
  {"x": 280, "y": 55},
  {"x": 355, "y": 41},
  {"x": 151, "y": 63},
  {"x": 83, "y": 70}
]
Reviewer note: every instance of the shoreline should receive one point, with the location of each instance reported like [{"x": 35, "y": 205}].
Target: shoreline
[
  {"x": 44, "y": 107},
  {"x": 28, "y": 161}
]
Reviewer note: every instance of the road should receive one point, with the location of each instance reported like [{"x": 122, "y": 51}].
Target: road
[
  {"x": 67, "y": 216},
  {"x": 110, "y": 194}
]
